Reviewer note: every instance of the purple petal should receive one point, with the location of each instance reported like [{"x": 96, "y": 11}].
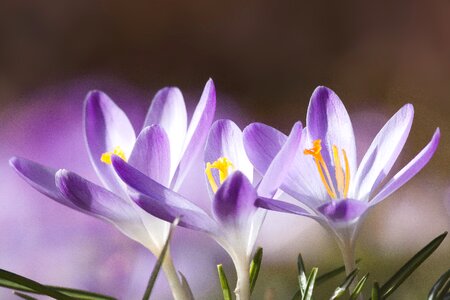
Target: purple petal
[
  {"x": 99, "y": 202},
  {"x": 106, "y": 127},
  {"x": 281, "y": 164},
  {"x": 345, "y": 210},
  {"x": 161, "y": 201},
  {"x": 281, "y": 206},
  {"x": 151, "y": 154},
  {"x": 262, "y": 143},
  {"x": 197, "y": 132},
  {"x": 41, "y": 178},
  {"x": 328, "y": 120},
  {"x": 382, "y": 153},
  {"x": 169, "y": 111},
  {"x": 410, "y": 170},
  {"x": 225, "y": 140},
  {"x": 234, "y": 201}
]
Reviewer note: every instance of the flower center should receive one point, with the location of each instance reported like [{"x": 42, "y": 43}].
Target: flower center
[
  {"x": 106, "y": 157},
  {"x": 224, "y": 166},
  {"x": 342, "y": 174}
]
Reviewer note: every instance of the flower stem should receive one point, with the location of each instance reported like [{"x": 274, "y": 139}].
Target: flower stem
[
  {"x": 348, "y": 255},
  {"x": 242, "y": 290},
  {"x": 178, "y": 291}
]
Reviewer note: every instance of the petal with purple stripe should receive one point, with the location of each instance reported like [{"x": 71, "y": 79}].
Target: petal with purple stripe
[
  {"x": 197, "y": 132},
  {"x": 168, "y": 110},
  {"x": 410, "y": 170},
  {"x": 106, "y": 127},
  {"x": 346, "y": 210},
  {"x": 151, "y": 154},
  {"x": 281, "y": 206},
  {"x": 382, "y": 153}
]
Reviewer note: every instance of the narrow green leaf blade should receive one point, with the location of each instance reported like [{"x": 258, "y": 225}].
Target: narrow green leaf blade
[
  {"x": 358, "y": 288},
  {"x": 224, "y": 283},
  {"x": 24, "y": 296},
  {"x": 307, "y": 295},
  {"x": 81, "y": 294},
  {"x": 297, "y": 295},
  {"x": 255, "y": 266},
  {"x": 159, "y": 262},
  {"x": 16, "y": 282},
  {"x": 302, "y": 281},
  {"x": 340, "y": 290},
  {"x": 441, "y": 287},
  {"x": 376, "y": 291},
  {"x": 410, "y": 266},
  {"x": 333, "y": 273}
]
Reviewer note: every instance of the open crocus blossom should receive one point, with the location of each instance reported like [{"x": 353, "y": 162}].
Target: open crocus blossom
[
  {"x": 325, "y": 177},
  {"x": 234, "y": 221},
  {"x": 163, "y": 151}
]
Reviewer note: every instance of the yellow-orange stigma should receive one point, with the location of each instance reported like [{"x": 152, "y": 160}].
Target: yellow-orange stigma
[
  {"x": 223, "y": 165},
  {"x": 342, "y": 173},
  {"x": 106, "y": 157}
]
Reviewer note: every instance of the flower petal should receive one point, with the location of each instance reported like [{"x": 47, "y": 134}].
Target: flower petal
[
  {"x": 410, "y": 170},
  {"x": 106, "y": 127},
  {"x": 234, "y": 201},
  {"x": 197, "y": 132},
  {"x": 262, "y": 143},
  {"x": 281, "y": 206},
  {"x": 328, "y": 120},
  {"x": 161, "y": 201},
  {"x": 168, "y": 110},
  {"x": 382, "y": 153},
  {"x": 281, "y": 164},
  {"x": 99, "y": 202},
  {"x": 151, "y": 154},
  {"x": 41, "y": 178},
  {"x": 225, "y": 140},
  {"x": 346, "y": 210}
]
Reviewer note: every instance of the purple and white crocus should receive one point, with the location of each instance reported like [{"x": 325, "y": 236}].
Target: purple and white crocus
[
  {"x": 234, "y": 221},
  {"x": 163, "y": 151},
  {"x": 325, "y": 177}
]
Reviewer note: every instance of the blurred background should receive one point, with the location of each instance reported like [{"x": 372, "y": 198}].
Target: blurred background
[{"x": 266, "y": 58}]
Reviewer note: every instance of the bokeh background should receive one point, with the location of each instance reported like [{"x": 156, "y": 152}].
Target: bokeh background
[{"x": 266, "y": 58}]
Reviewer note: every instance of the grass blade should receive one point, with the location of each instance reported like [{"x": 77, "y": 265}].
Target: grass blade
[
  {"x": 16, "y": 282},
  {"x": 255, "y": 266},
  {"x": 307, "y": 295},
  {"x": 359, "y": 287},
  {"x": 375, "y": 295},
  {"x": 410, "y": 266},
  {"x": 340, "y": 290},
  {"x": 159, "y": 262},
  {"x": 302, "y": 281},
  {"x": 224, "y": 283},
  {"x": 441, "y": 287},
  {"x": 24, "y": 296}
]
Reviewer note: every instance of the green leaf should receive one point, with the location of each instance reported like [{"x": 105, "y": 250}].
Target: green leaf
[
  {"x": 255, "y": 266},
  {"x": 376, "y": 291},
  {"x": 410, "y": 266},
  {"x": 359, "y": 287},
  {"x": 16, "y": 282},
  {"x": 302, "y": 281},
  {"x": 297, "y": 295},
  {"x": 159, "y": 262},
  {"x": 323, "y": 278},
  {"x": 340, "y": 290},
  {"x": 224, "y": 283},
  {"x": 24, "y": 296},
  {"x": 307, "y": 295},
  {"x": 81, "y": 294},
  {"x": 441, "y": 288}
]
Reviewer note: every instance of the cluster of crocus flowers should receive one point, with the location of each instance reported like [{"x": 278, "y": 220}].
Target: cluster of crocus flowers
[
  {"x": 142, "y": 176},
  {"x": 325, "y": 177},
  {"x": 163, "y": 151}
]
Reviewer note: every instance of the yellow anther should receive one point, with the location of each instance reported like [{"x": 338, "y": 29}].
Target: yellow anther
[
  {"x": 342, "y": 175},
  {"x": 106, "y": 157},
  {"x": 223, "y": 165}
]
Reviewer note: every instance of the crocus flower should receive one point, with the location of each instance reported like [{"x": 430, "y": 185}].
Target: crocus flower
[
  {"x": 163, "y": 150},
  {"x": 234, "y": 221},
  {"x": 325, "y": 177}
]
